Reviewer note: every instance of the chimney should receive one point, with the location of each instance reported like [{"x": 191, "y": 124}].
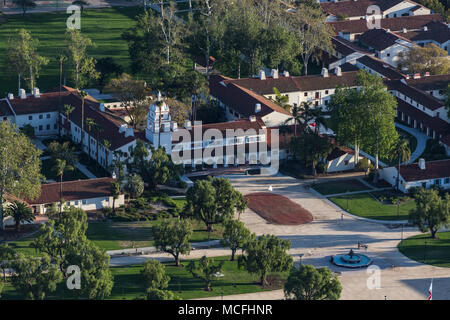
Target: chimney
[
  {"x": 257, "y": 107},
  {"x": 388, "y": 30},
  {"x": 10, "y": 96},
  {"x": 187, "y": 125},
  {"x": 338, "y": 71},
  {"x": 262, "y": 75},
  {"x": 36, "y": 93},
  {"x": 324, "y": 72},
  {"x": 416, "y": 76},
  {"x": 425, "y": 28},
  {"x": 405, "y": 30},
  {"x": 102, "y": 107},
  {"x": 252, "y": 119},
  {"x": 129, "y": 132},
  {"x": 427, "y": 74},
  {"x": 22, "y": 94},
  {"x": 174, "y": 126},
  {"x": 274, "y": 73},
  {"x": 122, "y": 128},
  {"x": 286, "y": 74},
  {"x": 422, "y": 164}
]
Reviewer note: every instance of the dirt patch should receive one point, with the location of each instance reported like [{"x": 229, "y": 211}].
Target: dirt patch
[{"x": 278, "y": 209}]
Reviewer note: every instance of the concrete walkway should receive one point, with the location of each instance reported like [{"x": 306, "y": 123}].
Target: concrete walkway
[
  {"x": 85, "y": 170},
  {"x": 421, "y": 141}
]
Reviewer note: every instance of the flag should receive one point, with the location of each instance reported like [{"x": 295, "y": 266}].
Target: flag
[{"x": 430, "y": 291}]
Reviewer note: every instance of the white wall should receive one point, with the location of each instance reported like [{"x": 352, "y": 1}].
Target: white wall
[
  {"x": 343, "y": 163},
  {"x": 91, "y": 204},
  {"x": 43, "y": 123}
]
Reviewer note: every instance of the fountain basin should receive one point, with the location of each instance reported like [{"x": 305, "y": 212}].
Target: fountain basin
[{"x": 351, "y": 260}]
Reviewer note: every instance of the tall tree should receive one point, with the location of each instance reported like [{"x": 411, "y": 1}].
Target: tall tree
[
  {"x": 34, "y": 277},
  {"x": 310, "y": 148},
  {"x": 61, "y": 166},
  {"x": 429, "y": 58},
  {"x": 365, "y": 117},
  {"x": 212, "y": 201},
  {"x": 90, "y": 123},
  {"x": 20, "y": 172},
  {"x": 132, "y": 95},
  {"x": 266, "y": 254},
  {"x": 432, "y": 212},
  {"x": 205, "y": 270},
  {"x": 23, "y": 59},
  {"x": 83, "y": 66},
  {"x": 235, "y": 236},
  {"x": 312, "y": 32},
  {"x": 154, "y": 274},
  {"x": 20, "y": 212},
  {"x": 173, "y": 237},
  {"x": 310, "y": 283},
  {"x": 116, "y": 190},
  {"x": 401, "y": 153},
  {"x": 7, "y": 255}
]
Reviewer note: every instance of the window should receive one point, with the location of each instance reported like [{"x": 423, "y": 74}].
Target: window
[
  {"x": 388, "y": 54},
  {"x": 48, "y": 115},
  {"x": 437, "y": 182},
  {"x": 83, "y": 201},
  {"x": 40, "y": 128},
  {"x": 447, "y": 181},
  {"x": 41, "y": 116},
  {"x": 30, "y": 117},
  {"x": 306, "y": 94},
  {"x": 5, "y": 118},
  {"x": 48, "y": 127},
  {"x": 55, "y": 126},
  {"x": 346, "y": 162},
  {"x": 326, "y": 91}
]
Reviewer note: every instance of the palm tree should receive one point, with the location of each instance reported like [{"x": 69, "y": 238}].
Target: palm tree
[
  {"x": 61, "y": 59},
  {"x": 281, "y": 100},
  {"x": 97, "y": 129},
  {"x": 107, "y": 145},
  {"x": 60, "y": 167},
  {"x": 296, "y": 116},
  {"x": 83, "y": 95},
  {"x": 90, "y": 123},
  {"x": 115, "y": 190},
  {"x": 402, "y": 153},
  {"x": 20, "y": 212},
  {"x": 67, "y": 110}
]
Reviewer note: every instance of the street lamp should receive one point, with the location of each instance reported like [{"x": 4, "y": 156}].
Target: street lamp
[{"x": 425, "y": 253}]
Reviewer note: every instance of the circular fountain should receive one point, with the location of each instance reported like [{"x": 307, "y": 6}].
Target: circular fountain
[{"x": 351, "y": 260}]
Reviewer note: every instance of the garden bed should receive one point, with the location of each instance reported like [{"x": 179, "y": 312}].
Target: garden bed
[{"x": 278, "y": 209}]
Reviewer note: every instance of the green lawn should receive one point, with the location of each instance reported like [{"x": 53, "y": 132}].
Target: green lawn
[
  {"x": 128, "y": 283},
  {"x": 437, "y": 252},
  {"x": 121, "y": 235},
  {"x": 340, "y": 186},
  {"x": 364, "y": 205},
  {"x": 48, "y": 167},
  {"x": 104, "y": 26}
]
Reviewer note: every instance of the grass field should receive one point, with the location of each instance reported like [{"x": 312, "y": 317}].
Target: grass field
[
  {"x": 436, "y": 252},
  {"x": 128, "y": 283},
  {"x": 341, "y": 186},
  {"x": 104, "y": 26},
  {"x": 121, "y": 235},
  {"x": 364, "y": 205}
]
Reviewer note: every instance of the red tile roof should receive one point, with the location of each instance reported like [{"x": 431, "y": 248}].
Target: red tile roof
[
  {"x": 433, "y": 170},
  {"x": 426, "y": 83},
  {"x": 240, "y": 99},
  {"x": 74, "y": 190},
  {"x": 381, "y": 67},
  {"x": 353, "y": 8},
  {"x": 393, "y": 24},
  {"x": 379, "y": 39},
  {"x": 415, "y": 94},
  {"x": 436, "y": 31},
  {"x": 296, "y": 83}
]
